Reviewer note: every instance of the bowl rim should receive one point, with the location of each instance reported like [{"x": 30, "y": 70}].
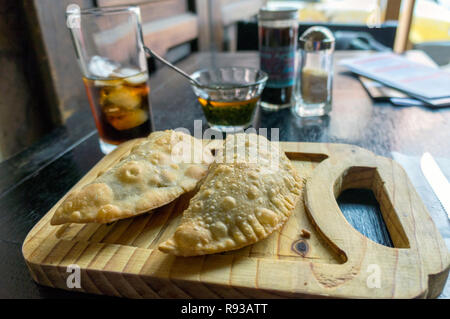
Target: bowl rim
[{"x": 264, "y": 78}]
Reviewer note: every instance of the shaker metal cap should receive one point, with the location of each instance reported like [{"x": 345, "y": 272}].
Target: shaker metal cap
[
  {"x": 316, "y": 39},
  {"x": 278, "y": 13}
]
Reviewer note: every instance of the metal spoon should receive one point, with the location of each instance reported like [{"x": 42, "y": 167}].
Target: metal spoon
[{"x": 162, "y": 60}]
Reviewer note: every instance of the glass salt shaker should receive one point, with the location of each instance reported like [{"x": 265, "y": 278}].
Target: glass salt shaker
[
  {"x": 277, "y": 28},
  {"x": 314, "y": 80}
]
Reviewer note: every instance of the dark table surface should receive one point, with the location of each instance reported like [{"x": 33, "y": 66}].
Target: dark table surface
[{"x": 32, "y": 181}]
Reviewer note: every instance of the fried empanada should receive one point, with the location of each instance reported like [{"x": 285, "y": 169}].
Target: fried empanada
[
  {"x": 156, "y": 172},
  {"x": 249, "y": 192}
]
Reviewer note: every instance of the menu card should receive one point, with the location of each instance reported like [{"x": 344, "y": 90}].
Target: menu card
[{"x": 421, "y": 81}]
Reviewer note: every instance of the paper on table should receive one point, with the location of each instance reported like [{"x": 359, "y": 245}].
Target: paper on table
[
  {"x": 415, "y": 79},
  {"x": 380, "y": 92}
]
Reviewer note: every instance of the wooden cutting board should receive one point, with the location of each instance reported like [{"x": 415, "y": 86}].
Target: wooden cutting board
[{"x": 122, "y": 259}]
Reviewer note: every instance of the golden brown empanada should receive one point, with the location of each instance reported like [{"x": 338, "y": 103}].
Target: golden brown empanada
[
  {"x": 156, "y": 172},
  {"x": 249, "y": 192}
]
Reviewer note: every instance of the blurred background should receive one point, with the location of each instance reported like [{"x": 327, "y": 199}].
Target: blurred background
[{"x": 41, "y": 84}]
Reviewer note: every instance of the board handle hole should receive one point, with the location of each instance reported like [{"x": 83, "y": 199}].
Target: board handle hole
[{"x": 359, "y": 192}]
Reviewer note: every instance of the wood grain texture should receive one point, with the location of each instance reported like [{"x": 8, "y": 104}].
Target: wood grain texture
[
  {"x": 59, "y": 73},
  {"x": 163, "y": 34},
  {"x": 154, "y": 10},
  {"x": 165, "y": 23},
  {"x": 219, "y": 16},
  {"x": 404, "y": 26},
  {"x": 24, "y": 119},
  {"x": 392, "y": 10},
  {"x": 109, "y": 3},
  {"x": 122, "y": 259}
]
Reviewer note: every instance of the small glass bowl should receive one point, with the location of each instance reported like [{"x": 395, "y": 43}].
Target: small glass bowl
[{"x": 229, "y": 96}]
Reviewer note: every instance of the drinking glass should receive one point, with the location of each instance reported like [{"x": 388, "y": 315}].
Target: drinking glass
[{"x": 110, "y": 51}]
